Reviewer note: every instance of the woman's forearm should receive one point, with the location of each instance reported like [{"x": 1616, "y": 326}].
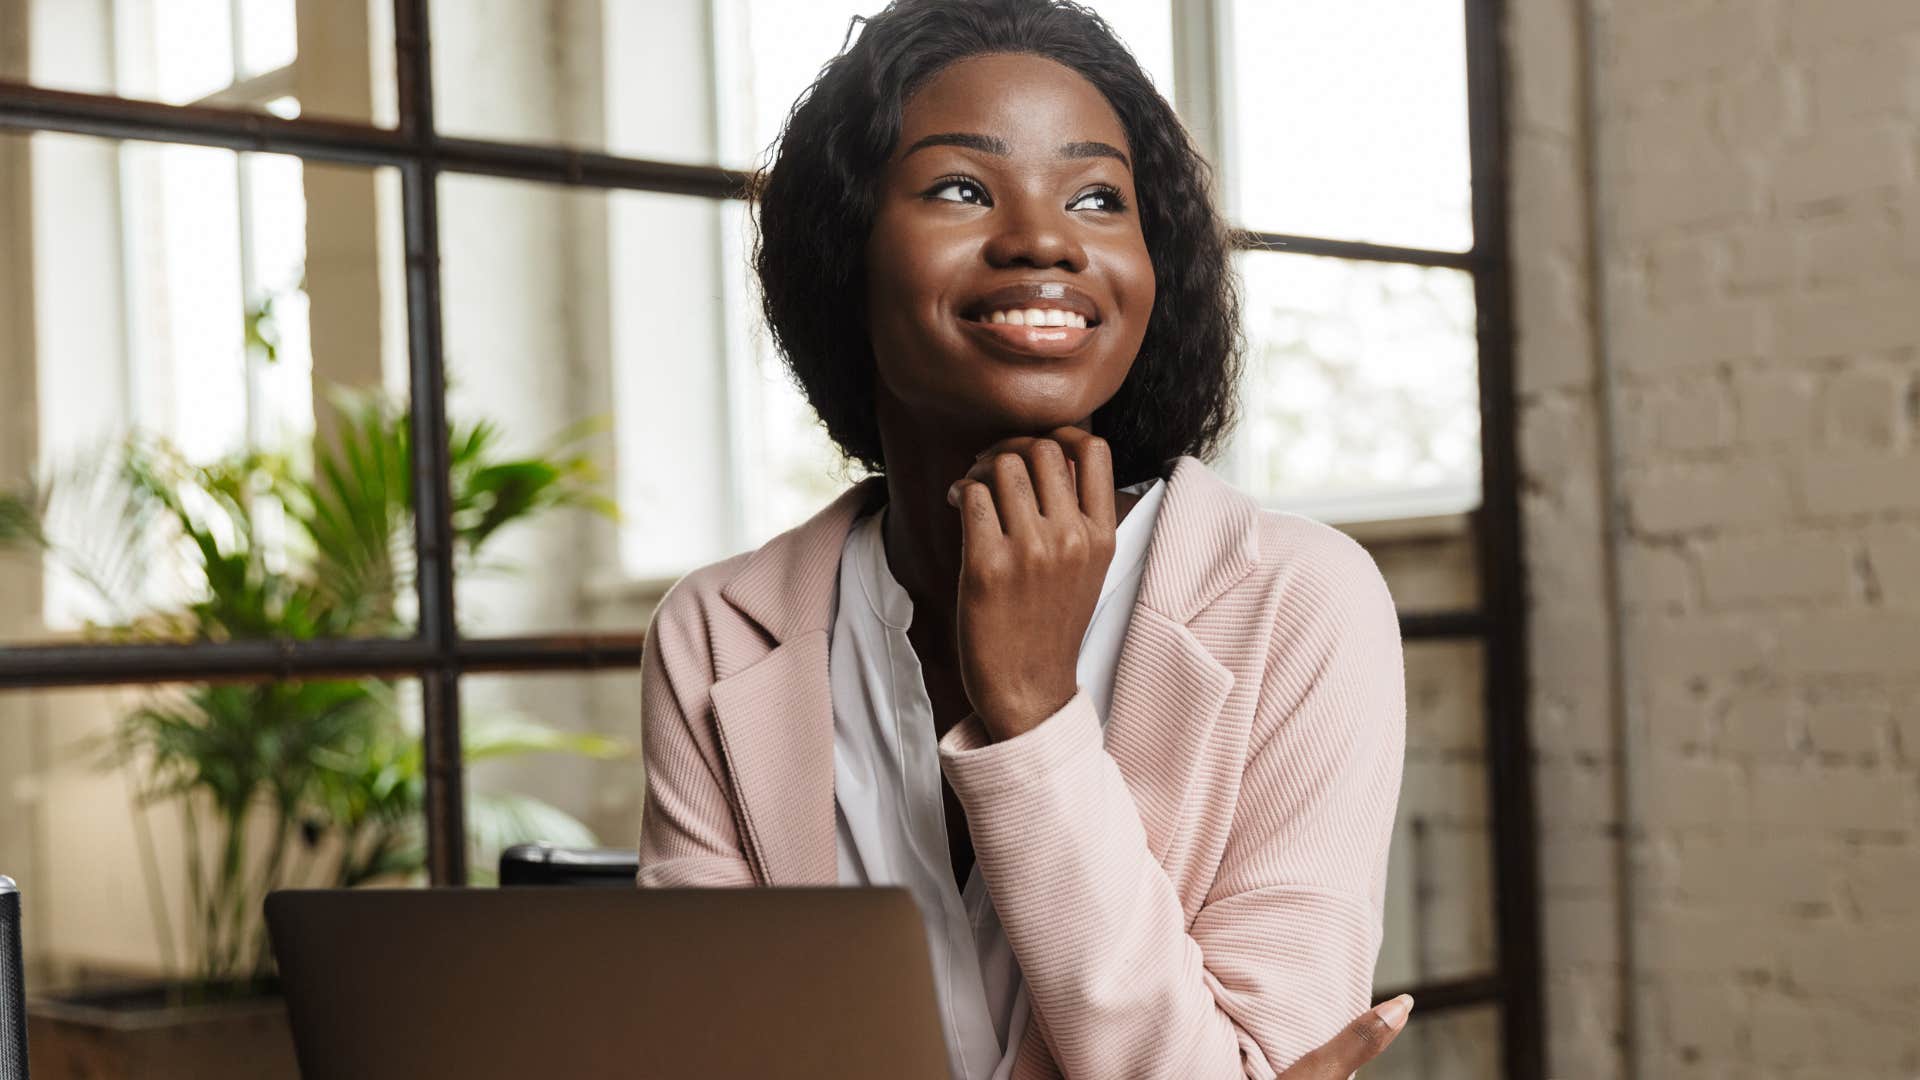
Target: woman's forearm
[{"x": 1281, "y": 955}]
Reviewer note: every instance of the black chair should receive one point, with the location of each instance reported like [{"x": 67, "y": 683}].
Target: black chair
[
  {"x": 13, "y": 986},
  {"x": 551, "y": 864}
]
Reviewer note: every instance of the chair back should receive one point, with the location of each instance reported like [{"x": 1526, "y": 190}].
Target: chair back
[
  {"x": 551, "y": 864},
  {"x": 13, "y": 986}
]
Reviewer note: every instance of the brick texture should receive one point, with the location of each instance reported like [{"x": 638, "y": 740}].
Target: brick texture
[{"x": 1756, "y": 233}]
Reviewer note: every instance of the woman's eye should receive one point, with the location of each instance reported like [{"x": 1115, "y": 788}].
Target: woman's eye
[
  {"x": 1114, "y": 203},
  {"x": 972, "y": 192}
]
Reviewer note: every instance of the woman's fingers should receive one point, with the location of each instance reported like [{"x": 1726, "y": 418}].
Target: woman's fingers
[
  {"x": 1093, "y": 471},
  {"x": 1029, "y": 467},
  {"x": 1357, "y": 1043},
  {"x": 980, "y": 531},
  {"x": 984, "y": 463},
  {"x": 1012, "y": 484},
  {"x": 1068, "y": 470},
  {"x": 1053, "y": 479}
]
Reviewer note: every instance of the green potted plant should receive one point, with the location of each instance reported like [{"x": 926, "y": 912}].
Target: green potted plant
[{"x": 329, "y": 771}]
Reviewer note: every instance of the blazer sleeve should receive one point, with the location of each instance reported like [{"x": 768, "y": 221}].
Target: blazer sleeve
[
  {"x": 687, "y": 831},
  {"x": 1281, "y": 955}
]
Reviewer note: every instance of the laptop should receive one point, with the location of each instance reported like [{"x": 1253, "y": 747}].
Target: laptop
[{"x": 587, "y": 981}]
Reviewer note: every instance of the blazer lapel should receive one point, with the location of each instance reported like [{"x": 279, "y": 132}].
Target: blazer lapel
[
  {"x": 775, "y": 714},
  {"x": 776, "y": 732},
  {"x": 1167, "y": 693},
  {"x": 1168, "y": 689}
]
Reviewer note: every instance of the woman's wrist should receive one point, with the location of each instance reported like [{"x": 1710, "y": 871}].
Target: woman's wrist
[{"x": 982, "y": 767}]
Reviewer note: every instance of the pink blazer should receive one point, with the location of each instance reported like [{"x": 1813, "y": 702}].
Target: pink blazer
[{"x": 1195, "y": 892}]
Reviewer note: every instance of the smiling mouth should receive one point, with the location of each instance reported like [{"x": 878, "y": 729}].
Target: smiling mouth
[
  {"x": 1043, "y": 338},
  {"x": 1033, "y": 316}
]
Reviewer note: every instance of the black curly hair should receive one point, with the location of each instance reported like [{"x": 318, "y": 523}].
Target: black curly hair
[{"x": 817, "y": 206}]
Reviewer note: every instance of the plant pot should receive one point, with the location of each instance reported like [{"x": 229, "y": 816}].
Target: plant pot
[{"x": 143, "y": 1031}]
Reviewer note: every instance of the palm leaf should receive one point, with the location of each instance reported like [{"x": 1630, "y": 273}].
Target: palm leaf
[
  {"x": 20, "y": 521},
  {"x": 324, "y": 757}
]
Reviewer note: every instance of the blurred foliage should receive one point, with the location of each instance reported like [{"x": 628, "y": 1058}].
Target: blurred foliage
[{"x": 284, "y": 550}]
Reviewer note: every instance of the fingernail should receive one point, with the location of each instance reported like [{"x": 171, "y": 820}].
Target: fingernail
[
  {"x": 1395, "y": 1012},
  {"x": 981, "y": 454},
  {"x": 953, "y": 492}
]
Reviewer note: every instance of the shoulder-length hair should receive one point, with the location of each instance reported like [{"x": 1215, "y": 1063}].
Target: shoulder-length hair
[{"x": 817, "y": 204}]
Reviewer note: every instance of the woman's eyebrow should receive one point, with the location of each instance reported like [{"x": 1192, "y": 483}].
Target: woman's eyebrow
[
  {"x": 990, "y": 144},
  {"x": 1095, "y": 149}
]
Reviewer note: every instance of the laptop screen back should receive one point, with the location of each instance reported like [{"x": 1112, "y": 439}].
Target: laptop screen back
[{"x": 591, "y": 981}]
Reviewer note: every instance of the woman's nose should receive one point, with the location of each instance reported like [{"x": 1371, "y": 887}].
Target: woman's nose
[{"x": 1038, "y": 237}]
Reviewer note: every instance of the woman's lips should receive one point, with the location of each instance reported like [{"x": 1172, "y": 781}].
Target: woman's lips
[
  {"x": 1031, "y": 294},
  {"x": 1036, "y": 341}
]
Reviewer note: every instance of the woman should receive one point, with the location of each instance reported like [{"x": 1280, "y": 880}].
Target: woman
[{"x": 1133, "y": 743}]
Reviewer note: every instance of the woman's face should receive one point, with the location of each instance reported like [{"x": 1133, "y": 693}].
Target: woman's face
[{"x": 1010, "y": 193}]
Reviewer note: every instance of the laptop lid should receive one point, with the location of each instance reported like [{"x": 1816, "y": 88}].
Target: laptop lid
[{"x": 588, "y": 981}]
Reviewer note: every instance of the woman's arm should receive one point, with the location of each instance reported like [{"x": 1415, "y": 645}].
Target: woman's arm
[
  {"x": 687, "y": 832},
  {"x": 1282, "y": 954}
]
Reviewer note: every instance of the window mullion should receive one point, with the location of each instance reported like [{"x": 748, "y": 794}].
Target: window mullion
[
  {"x": 1203, "y": 85},
  {"x": 1203, "y": 96},
  {"x": 742, "y": 394}
]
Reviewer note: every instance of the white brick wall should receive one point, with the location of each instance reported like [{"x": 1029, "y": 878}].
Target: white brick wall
[
  {"x": 1757, "y": 225},
  {"x": 1563, "y": 513}
]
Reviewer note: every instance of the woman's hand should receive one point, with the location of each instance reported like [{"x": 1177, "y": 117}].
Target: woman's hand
[
  {"x": 1036, "y": 519},
  {"x": 1357, "y": 1044}
]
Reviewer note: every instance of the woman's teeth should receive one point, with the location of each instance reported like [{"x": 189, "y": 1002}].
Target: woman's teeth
[{"x": 1038, "y": 317}]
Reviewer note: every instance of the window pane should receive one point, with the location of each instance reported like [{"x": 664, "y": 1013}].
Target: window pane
[
  {"x": 788, "y": 466},
  {"x": 769, "y": 51},
  {"x": 698, "y": 81},
  {"x": 316, "y": 58},
  {"x": 269, "y": 34},
  {"x": 629, "y": 77},
  {"x": 159, "y": 476},
  {"x": 1439, "y": 910},
  {"x": 568, "y": 771},
  {"x": 116, "y": 832},
  {"x": 1349, "y": 120},
  {"x": 625, "y": 325},
  {"x": 1457, "y": 1044},
  {"x": 542, "y": 286},
  {"x": 1145, "y": 27},
  {"x": 1362, "y": 387}
]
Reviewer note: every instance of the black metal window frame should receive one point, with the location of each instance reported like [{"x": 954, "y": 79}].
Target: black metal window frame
[{"x": 438, "y": 655}]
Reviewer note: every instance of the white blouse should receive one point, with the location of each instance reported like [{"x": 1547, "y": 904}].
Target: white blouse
[{"x": 890, "y": 815}]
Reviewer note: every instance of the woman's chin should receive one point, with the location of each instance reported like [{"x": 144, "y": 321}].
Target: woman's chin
[
  {"x": 972, "y": 390},
  {"x": 1031, "y": 416}
]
